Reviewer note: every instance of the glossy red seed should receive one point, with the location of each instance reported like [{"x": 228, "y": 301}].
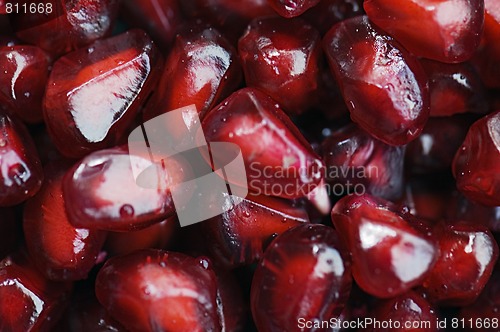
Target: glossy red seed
[
  {"x": 240, "y": 235},
  {"x": 411, "y": 310},
  {"x": 305, "y": 273},
  {"x": 21, "y": 173},
  {"x": 476, "y": 166},
  {"x": 328, "y": 12},
  {"x": 278, "y": 160},
  {"x": 157, "y": 236},
  {"x": 25, "y": 70},
  {"x": 60, "y": 251},
  {"x": 28, "y": 301},
  {"x": 434, "y": 149},
  {"x": 384, "y": 86},
  {"x": 390, "y": 252},
  {"x": 487, "y": 306},
  {"x": 292, "y": 8},
  {"x": 63, "y": 26},
  {"x": 159, "y": 18},
  {"x": 282, "y": 58},
  {"x": 94, "y": 93},
  {"x": 201, "y": 69},
  {"x": 231, "y": 17},
  {"x": 454, "y": 88},
  {"x": 488, "y": 55},
  {"x": 468, "y": 255},
  {"x": 232, "y": 306},
  {"x": 360, "y": 163},
  {"x": 447, "y": 31},
  {"x": 159, "y": 290},
  {"x": 101, "y": 191}
]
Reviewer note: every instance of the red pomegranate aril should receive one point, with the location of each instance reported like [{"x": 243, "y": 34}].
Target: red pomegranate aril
[
  {"x": 158, "y": 236},
  {"x": 28, "y": 301},
  {"x": 362, "y": 163},
  {"x": 468, "y": 254},
  {"x": 232, "y": 308},
  {"x": 59, "y": 250},
  {"x": 305, "y": 273},
  {"x": 278, "y": 159},
  {"x": 291, "y": 8},
  {"x": 159, "y": 18},
  {"x": 434, "y": 149},
  {"x": 101, "y": 191},
  {"x": 328, "y": 12},
  {"x": 26, "y": 70},
  {"x": 476, "y": 166},
  {"x": 63, "y": 26},
  {"x": 454, "y": 88},
  {"x": 384, "y": 86},
  {"x": 281, "y": 57},
  {"x": 443, "y": 30},
  {"x": 201, "y": 69},
  {"x": 240, "y": 235},
  {"x": 409, "y": 309},
  {"x": 151, "y": 290},
  {"x": 390, "y": 251},
  {"x": 21, "y": 171},
  {"x": 486, "y": 307},
  {"x": 94, "y": 93},
  {"x": 231, "y": 17}
]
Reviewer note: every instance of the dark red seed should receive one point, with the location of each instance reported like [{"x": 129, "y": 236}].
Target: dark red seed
[
  {"x": 25, "y": 70},
  {"x": 328, "y": 12},
  {"x": 468, "y": 254},
  {"x": 384, "y": 86},
  {"x": 305, "y": 274},
  {"x": 390, "y": 251},
  {"x": 21, "y": 171},
  {"x": 476, "y": 166},
  {"x": 60, "y": 251},
  {"x": 240, "y": 235},
  {"x": 282, "y": 58},
  {"x": 292, "y": 8},
  {"x": 447, "y": 31},
  {"x": 158, "y": 290},
  {"x": 94, "y": 93}
]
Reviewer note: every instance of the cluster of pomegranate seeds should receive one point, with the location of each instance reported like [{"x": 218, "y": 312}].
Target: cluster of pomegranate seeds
[{"x": 367, "y": 134}]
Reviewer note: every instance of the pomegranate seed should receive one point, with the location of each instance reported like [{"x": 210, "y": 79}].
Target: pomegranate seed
[
  {"x": 356, "y": 160},
  {"x": 278, "y": 160},
  {"x": 476, "y": 166},
  {"x": 202, "y": 69},
  {"x": 240, "y": 235},
  {"x": 486, "y": 306},
  {"x": 447, "y": 31},
  {"x": 158, "y": 236},
  {"x": 305, "y": 274},
  {"x": 158, "y": 290},
  {"x": 292, "y": 8},
  {"x": 21, "y": 172},
  {"x": 434, "y": 149},
  {"x": 94, "y": 93},
  {"x": 100, "y": 192},
  {"x": 159, "y": 18},
  {"x": 282, "y": 58},
  {"x": 232, "y": 308},
  {"x": 26, "y": 70},
  {"x": 409, "y": 309},
  {"x": 59, "y": 250},
  {"x": 384, "y": 86},
  {"x": 454, "y": 88},
  {"x": 66, "y": 26},
  {"x": 468, "y": 255},
  {"x": 390, "y": 252},
  {"x": 28, "y": 301}
]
